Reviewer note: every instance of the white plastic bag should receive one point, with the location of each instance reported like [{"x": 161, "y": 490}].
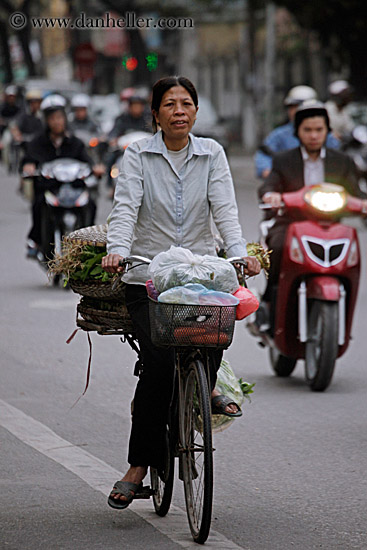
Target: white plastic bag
[
  {"x": 179, "y": 266},
  {"x": 193, "y": 293},
  {"x": 228, "y": 385}
]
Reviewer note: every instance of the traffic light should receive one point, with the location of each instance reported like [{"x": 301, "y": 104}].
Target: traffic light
[
  {"x": 152, "y": 61},
  {"x": 130, "y": 62}
]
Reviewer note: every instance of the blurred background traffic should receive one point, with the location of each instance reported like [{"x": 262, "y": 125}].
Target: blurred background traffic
[
  {"x": 253, "y": 63},
  {"x": 242, "y": 55}
]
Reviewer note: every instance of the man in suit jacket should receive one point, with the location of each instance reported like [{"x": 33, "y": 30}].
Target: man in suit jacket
[{"x": 308, "y": 164}]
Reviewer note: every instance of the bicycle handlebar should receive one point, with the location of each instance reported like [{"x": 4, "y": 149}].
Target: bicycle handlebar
[
  {"x": 131, "y": 259},
  {"x": 141, "y": 260},
  {"x": 238, "y": 263}
]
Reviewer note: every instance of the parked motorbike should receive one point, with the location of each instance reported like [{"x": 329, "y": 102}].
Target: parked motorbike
[
  {"x": 67, "y": 184},
  {"x": 316, "y": 295}
]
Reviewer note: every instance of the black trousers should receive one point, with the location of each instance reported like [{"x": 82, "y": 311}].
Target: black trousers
[
  {"x": 155, "y": 386},
  {"x": 275, "y": 241}
]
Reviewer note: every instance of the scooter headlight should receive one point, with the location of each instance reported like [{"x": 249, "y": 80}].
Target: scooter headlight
[
  {"x": 114, "y": 172},
  {"x": 93, "y": 142},
  {"x": 326, "y": 197}
]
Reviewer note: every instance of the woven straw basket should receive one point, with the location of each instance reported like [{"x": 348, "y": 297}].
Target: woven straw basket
[
  {"x": 95, "y": 235},
  {"x": 117, "y": 319}
]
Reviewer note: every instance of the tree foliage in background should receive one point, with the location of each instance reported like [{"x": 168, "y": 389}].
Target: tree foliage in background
[
  {"x": 342, "y": 29},
  {"x": 341, "y": 26}
]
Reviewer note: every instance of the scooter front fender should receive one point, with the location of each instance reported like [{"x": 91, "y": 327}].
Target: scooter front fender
[
  {"x": 323, "y": 288},
  {"x": 328, "y": 289}
]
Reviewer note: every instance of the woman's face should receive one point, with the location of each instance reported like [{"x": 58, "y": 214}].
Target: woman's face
[{"x": 177, "y": 113}]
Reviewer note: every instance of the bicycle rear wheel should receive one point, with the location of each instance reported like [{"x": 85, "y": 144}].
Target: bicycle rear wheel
[
  {"x": 162, "y": 481},
  {"x": 196, "y": 449}
]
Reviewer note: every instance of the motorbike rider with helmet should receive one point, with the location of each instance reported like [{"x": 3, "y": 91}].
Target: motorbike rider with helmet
[
  {"x": 54, "y": 142},
  {"x": 9, "y": 108},
  {"x": 340, "y": 93},
  {"x": 28, "y": 123},
  {"x": 24, "y": 128},
  {"x": 125, "y": 95},
  {"x": 283, "y": 137},
  {"x": 81, "y": 120},
  {"x": 135, "y": 119},
  {"x": 85, "y": 128},
  {"x": 310, "y": 163}
]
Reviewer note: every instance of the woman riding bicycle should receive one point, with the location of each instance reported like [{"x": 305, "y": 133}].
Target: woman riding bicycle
[{"x": 169, "y": 187}]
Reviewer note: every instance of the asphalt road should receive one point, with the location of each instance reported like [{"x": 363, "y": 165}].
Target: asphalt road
[{"x": 291, "y": 473}]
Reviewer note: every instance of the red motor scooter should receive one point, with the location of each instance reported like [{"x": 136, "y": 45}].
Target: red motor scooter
[{"x": 318, "y": 284}]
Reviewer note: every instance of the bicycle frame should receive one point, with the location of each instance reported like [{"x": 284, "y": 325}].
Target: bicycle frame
[{"x": 189, "y": 432}]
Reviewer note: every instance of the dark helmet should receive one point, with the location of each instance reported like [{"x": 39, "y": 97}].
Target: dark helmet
[
  {"x": 310, "y": 109},
  {"x": 137, "y": 98}
]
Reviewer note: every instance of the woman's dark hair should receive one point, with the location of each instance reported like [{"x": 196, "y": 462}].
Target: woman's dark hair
[{"x": 164, "y": 84}]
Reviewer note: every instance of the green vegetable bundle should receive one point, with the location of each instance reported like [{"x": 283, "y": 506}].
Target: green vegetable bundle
[
  {"x": 255, "y": 249},
  {"x": 80, "y": 262},
  {"x": 91, "y": 265}
]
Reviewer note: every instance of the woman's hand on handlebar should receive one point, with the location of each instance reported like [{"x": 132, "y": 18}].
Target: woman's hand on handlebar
[
  {"x": 253, "y": 266},
  {"x": 273, "y": 198},
  {"x": 111, "y": 263}
]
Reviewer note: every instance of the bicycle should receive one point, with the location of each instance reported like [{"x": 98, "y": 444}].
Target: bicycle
[{"x": 192, "y": 330}]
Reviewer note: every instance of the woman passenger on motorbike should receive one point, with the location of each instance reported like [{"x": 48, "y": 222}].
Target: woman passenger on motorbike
[
  {"x": 169, "y": 186},
  {"x": 53, "y": 143}
]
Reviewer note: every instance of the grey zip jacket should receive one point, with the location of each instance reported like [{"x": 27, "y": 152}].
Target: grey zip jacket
[{"x": 156, "y": 207}]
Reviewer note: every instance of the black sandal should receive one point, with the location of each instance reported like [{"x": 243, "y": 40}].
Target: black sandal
[
  {"x": 221, "y": 402},
  {"x": 123, "y": 488}
]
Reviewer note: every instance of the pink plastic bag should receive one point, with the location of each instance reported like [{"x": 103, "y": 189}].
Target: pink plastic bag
[
  {"x": 248, "y": 303},
  {"x": 151, "y": 290}
]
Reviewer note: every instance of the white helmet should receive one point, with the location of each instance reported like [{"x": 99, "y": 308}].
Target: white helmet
[
  {"x": 339, "y": 87},
  {"x": 33, "y": 94},
  {"x": 299, "y": 94},
  {"x": 11, "y": 90},
  {"x": 53, "y": 102},
  {"x": 80, "y": 100}
]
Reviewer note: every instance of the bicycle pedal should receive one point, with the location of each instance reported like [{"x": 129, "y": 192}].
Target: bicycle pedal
[{"x": 144, "y": 493}]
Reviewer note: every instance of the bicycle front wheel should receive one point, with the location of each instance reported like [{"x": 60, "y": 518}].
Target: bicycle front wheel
[{"x": 197, "y": 450}]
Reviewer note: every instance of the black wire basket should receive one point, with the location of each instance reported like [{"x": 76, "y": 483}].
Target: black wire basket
[{"x": 197, "y": 326}]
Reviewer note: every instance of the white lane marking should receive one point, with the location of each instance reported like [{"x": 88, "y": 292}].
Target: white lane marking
[
  {"x": 52, "y": 304},
  {"x": 100, "y": 476}
]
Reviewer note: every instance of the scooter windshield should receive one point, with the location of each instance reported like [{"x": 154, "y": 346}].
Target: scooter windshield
[{"x": 65, "y": 170}]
